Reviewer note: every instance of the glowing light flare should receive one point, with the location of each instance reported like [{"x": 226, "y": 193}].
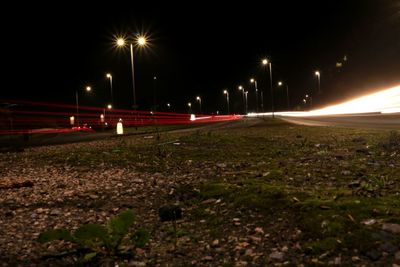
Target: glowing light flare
[
  {"x": 120, "y": 42},
  {"x": 386, "y": 101},
  {"x": 264, "y": 61},
  {"x": 141, "y": 40}
]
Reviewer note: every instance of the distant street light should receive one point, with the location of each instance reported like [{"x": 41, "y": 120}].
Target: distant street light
[
  {"x": 169, "y": 106},
  {"x": 140, "y": 41},
  {"x": 190, "y": 107},
  {"x": 109, "y": 76},
  {"x": 255, "y": 86},
  {"x": 308, "y": 99},
  {"x": 227, "y": 98},
  {"x": 244, "y": 104},
  {"x": 318, "y": 74},
  {"x": 199, "y": 99},
  {"x": 266, "y": 62},
  {"x": 287, "y": 93},
  {"x": 246, "y": 107},
  {"x": 88, "y": 89}
]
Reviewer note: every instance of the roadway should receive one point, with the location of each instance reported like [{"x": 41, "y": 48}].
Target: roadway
[{"x": 369, "y": 121}]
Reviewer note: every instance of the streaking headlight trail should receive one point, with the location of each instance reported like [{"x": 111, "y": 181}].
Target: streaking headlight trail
[{"x": 386, "y": 101}]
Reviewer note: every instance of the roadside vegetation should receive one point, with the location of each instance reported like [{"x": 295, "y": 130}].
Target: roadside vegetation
[{"x": 252, "y": 193}]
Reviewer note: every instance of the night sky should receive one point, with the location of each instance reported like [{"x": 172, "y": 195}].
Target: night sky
[{"x": 199, "y": 48}]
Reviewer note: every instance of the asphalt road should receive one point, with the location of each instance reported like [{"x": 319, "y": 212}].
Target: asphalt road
[{"x": 369, "y": 121}]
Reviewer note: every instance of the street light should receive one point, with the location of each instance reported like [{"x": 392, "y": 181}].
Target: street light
[
  {"x": 190, "y": 107},
  {"x": 266, "y": 62},
  {"x": 245, "y": 95},
  {"x": 287, "y": 93},
  {"x": 109, "y": 76},
  {"x": 255, "y": 86},
  {"x": 168, "y": 106},
  {"x": 88, "y": 89},
  {"x": 140, "y": 41},
  {"x": 244, "y": 105},
  {"x": 308, "y": 98},
  {"x": 199, "y": 99},
  {"x": 318, "y": 74},
  {"x": 227, "y": 98}
]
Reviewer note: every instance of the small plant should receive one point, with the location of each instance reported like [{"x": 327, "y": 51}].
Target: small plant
[{"x": 98, "y": 239}]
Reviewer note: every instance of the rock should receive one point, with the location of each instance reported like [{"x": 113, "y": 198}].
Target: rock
[
  {"x": 259, "y": 230},
  {"x": 369, "y": 222},
  {"x": 215, "y": 243},
  {"x": 373, "y": 255},
  {"x": 170, "y": 213},
  {"x": 276, "y": 255},
  {"x": 255, "y": 239},
  {"x": 337, "y": 261},
  {"x": 391, "y": 227},
  {"x": 346, "y": 172},
  {"x": 137, "y": 263},
  {"x": 354, "y": 184},
  {"x": 248, "y": 252},
  {"x": 207, "y": 258},
  {"x": 388, "y": 247},
  {"x": 221, "y": 165},
  {"x": 397, "y": 256},
  {"x": 209, "y": 201},
  {"x": 363, "y": 151},
  {"x": 55, "y": 212}
]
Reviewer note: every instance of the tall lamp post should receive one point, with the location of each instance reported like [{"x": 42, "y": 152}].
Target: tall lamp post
[
  {"x": 318, "y": 74},
  {"x": 88, "y": 89},
  {"x": 244, "y": 104},
  {"x": 190, "y": 107},
  {"x": 140, "y": 41},
  {"x": 287, "y": 93},
  {"x": 227, "y": 98},
  {"x": 199, "y": 99},
  {"x": 109, "y": 76},
  {"x": 246, "y": 107},
  {"x": 255, "y": 86},
  {"x": 266, "y": 62}
]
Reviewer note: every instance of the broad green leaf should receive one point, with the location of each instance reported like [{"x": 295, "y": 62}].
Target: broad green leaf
[
  {"x": 56, "y": 234},
  {"x": 89, "y": 256},
  {"x": 140, "y": 238},
  {"x": 90, "y": 233},
  {"x": 120, "y": 224}
]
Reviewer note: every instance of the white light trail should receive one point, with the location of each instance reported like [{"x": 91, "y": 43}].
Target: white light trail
[{"x": 386, "y": 101}]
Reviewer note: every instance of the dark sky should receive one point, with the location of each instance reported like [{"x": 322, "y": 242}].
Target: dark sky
[{"x": 199, "y": 48}]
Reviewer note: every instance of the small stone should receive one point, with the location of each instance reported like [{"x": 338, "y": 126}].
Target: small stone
[
  {"x": 170, "y": 213},
  {"x": 209, "y": 201},
  {"x": 215, "y": 243},
  {"x": 207, "y": 258},
  {"x": 255, "y": 239},
  {"x": 397, "y": 256},
  {"x": 369, "y": 222},
  {"x": 346, "y": 172},
  {"x": 373, "y": 255},
  {"x": 392, "y": 227},
  {"x": 137, "y": 264},
  {"x": 259, "y": 230},
  {"x": 55, "y": 212},
  {"x": 337, "y": 261},
  {"x": 276, "y": 256},
  {"x": 388, "y": 247},
  {"x": 355, "y": 258},
  {"x": 249, "y": 252},
  {"x": 93, "y": 196}
]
